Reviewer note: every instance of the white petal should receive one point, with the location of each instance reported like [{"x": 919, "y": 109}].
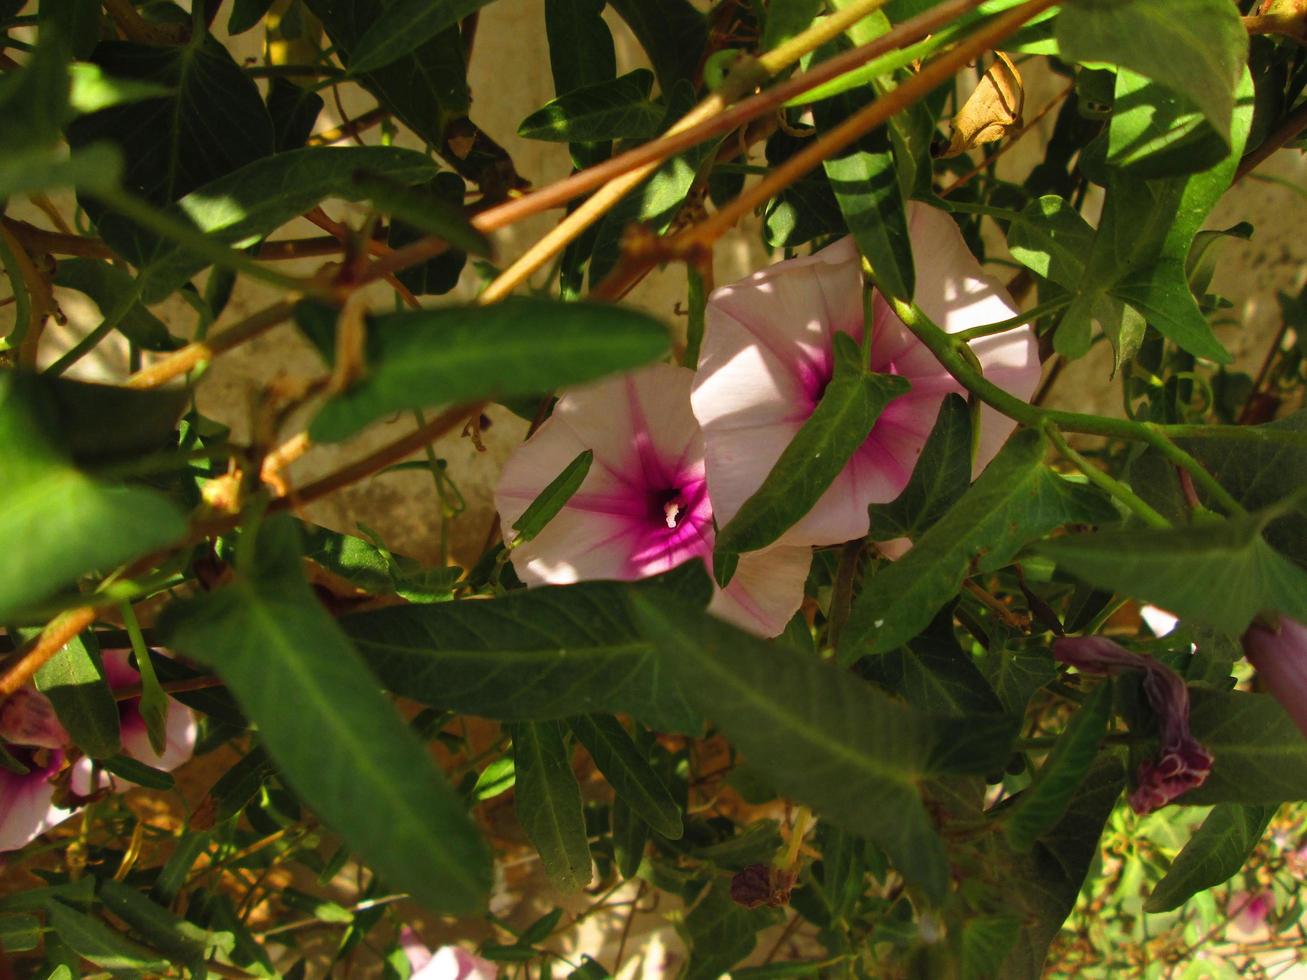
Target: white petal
[{"x": 766, "y": 590}]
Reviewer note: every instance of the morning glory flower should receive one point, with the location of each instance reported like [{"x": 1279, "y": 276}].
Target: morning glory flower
[
  {"x": 445, "y": 963},
  {"x": 179, "y": 731},
  {"x": 1182, "y": 763},
  {"x": 767, "y": 357},
  {"x": 34, "y": 739},
  {"x": 644, "y": 507},
  {"x": 1280, "y": 656}
]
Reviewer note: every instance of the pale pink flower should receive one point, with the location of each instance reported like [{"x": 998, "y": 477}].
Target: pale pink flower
[
  {"x": 644, "y": 507},
  {"x": 767, "y": 358},
  {"x": 180, "y": 731},
  {"x": 1249, "y": 911},
  {"x": 1280, "y": 656},
  {"x": 446, "y": 963},
  {"x": 33, "y": 738}
]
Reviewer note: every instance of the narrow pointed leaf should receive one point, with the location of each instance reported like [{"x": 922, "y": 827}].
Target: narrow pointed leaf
[
  {"x": 1016, "y": 500},
  {"x": 457, "y": 354},
  {"x": 430, "y": 213},
  {"x": 76, "y": 685},
  {"x": 939, "y": 478},
  {"x": 554, "y": 497},
  {"x": 1042, "y": 805},
  {"x": 270, "y": 639},
  {"x": 91, "y": 939},
  {"x": 548, "y": 803},
  {"x": 839, "y": 425},
  {"x": 1215, "y": 853},
  {"x": 628, "y": 772}
]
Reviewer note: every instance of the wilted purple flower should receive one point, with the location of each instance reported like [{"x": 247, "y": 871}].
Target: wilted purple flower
[
  {"x": 1280, "y": 656},
  {"x": 762, "y": 884},
  {"x": 1182, "y": 763}
]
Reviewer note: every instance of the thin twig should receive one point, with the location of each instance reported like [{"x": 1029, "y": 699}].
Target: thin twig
[
  {"x": 1293, "y": 125},
  {"x": 181, "y": 361}
]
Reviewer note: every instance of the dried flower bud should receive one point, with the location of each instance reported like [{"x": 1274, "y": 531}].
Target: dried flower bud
[{"x": 762, "y": 884}]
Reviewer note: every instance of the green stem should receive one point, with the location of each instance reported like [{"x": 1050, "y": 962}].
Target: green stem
[
  {"x": 1032, "y": 314},
  {"x": 153, "y": 703},
  {"x": 22, "y": 301},
  {"x": 948, "y": 350},
  {"x": 93, "y": 339},
  {"x": 1099, "y": 478}
]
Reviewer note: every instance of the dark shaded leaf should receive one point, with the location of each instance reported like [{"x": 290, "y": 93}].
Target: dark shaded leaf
[
  {"x": 267, "y": 635},
  {"x": 91, "y": 939},
  {"x": 74, "y": 681},
  {"x": 939, "y": 478},
  {"x": 547, "y": 800},
  {"x": 548, "y": 653},
  {"x": 57, "y": 524},
  {"x": 554, "y": 497},
  {"x": 607, "y": 110},
  {"x": 1260, "y": 755},
  {"x": 402, "y": 26},
  {"x": 672, "y": 32},
  {"x": 1016, "y": 500},
  {"x": 628, "y": 772},
  {"x": 108, "y": 286}
]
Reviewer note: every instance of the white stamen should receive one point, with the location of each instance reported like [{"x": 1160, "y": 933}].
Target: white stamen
[{"x": 672, "y": 510}]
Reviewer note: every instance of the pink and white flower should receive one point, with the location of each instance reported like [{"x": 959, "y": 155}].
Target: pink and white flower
[
  {"x": 34, "y": 739},
  {"x": 179, "y": 732},
  {"x": 446, "y": 963},
  {"x": 644, "y": 507},
  {"x": 767, "y": 358}
]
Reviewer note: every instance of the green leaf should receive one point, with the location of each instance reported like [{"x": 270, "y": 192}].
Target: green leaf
[
  {"x": 1016, "y": 500},
  {"x": 245, "y": 14},
  {"x": 630, "y": 837},
  {"x": 580, "y": 44},
  {"x": 1219, "y": 575},
  {"x": 818, "y": 734},
  {"x": 1260, "y": 467},
  {"x": 74, "y": 681},
  {"x": 838, "y": 426},
  {"x": 986, "y": 942},
  {"x": 97, "y": 167},
  {"x": 1260, "y": 755},
  {"x": 607, "y": 110},
  {"x": 547, "y": 800},
  {"x": 269, "y": 639},
  {"x": 92, "y": 940},
  {"x": 57, "y": 524},
  {"x": 134, "y": 771},
  {"x": 108, "y": 286},
  {"x": 628, "y": 772},
  {"x": 105, "y": 424},
  {"x": 439, "y": 274},
  {"x": 93, "y": 90},
  {"x": 538, "y": 655},
  {"x": 497, "y": 778},
  {"x": 243, "y": 206},
  {"x": 786, "y": 18},
  {"x": 1015, "y": 675},
  {"x": 866, "y": 186},
  {"x": 939, "y": 478},
  {"x": 932, "y": 673},
  {"x": 20, "y": 933},
  {"x": 1051, "y": 239},
  {"x": 721, "y": 932},
  {"x": 1215, "y": 853},
  {"x": 426, "y": 88},
  {"x": 34, "y": 98},
  {"x": 1161, "y": 293},
  {"x": 402, "y": 26},
  {"x": 1042, "y": 805},
  {"x": 212, "y": 122},
  {"x": 672, "y": 32},
  {"x": 1043, "y": 885},
  {"x": 180, "y": 940},
  {"x": 1205, "y": 42},
  {"x": 460, "y": 354},
  {"x": 1156, "y": 132},
  {"x": 431, "y": 213},
  {"x": 554, "y": 497}
]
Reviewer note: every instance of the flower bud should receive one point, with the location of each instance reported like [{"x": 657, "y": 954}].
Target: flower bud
[{"x": 1280, "y": 656}]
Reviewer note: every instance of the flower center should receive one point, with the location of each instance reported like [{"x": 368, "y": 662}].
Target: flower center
[{"x": 674, "y": 509}]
